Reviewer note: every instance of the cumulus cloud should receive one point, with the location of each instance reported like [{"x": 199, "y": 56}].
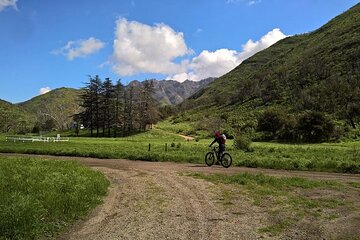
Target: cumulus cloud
[
  {"x": 80, "y": 48},
  {"x": 44, "y": 90},
  {"x": 140, "y": 48},
  {"x": 217, "y": 63},
  {"x": 251, "y": 47},
  {"x": 7, "y": 3}
]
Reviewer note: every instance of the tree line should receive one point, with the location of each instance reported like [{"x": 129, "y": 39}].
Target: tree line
[{"x": 113, "y": 110}]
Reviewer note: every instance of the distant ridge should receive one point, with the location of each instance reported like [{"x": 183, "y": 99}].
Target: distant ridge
[{"x": 170, "y": 92}]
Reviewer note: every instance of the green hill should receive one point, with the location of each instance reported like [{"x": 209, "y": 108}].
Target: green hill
[
  {"x": 44, "y": 112},
  {"x": 14, "y": 119},
  {"x": 317, "y": 71},
  {"x": 54, "y": 108}
]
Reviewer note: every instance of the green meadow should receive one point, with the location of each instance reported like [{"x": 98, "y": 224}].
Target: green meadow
[
  {"x": 40, "y": 198},
  {"x": 332, "y": 157}
]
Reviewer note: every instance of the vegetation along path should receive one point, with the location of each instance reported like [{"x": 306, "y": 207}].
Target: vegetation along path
[{"x": 151, "y": 200}]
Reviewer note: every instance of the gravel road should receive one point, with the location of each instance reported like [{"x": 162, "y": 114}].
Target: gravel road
[{"x": 153, "y": 200}]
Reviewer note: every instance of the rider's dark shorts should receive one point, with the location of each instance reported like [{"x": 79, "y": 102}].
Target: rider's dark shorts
[{"x": 221, "y": 148}]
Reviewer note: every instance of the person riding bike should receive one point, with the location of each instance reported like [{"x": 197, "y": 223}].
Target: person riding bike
[{"x": 220, "y": 139}]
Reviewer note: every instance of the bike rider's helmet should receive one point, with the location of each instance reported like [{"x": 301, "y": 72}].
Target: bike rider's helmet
[{"x": 217, "y": 133}]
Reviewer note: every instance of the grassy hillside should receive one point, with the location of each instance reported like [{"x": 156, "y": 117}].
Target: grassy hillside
[
  {"x": 14, "y": 119},
  {"x": 317, "y": 71},
  {"x": 54, "y": 108}
]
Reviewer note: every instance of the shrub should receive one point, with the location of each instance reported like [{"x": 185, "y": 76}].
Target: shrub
[
  {"x": 288, "y": 131},
  {"x": 243, "y": 142},
  {"x": 315, "y": 127},
  {"x": 272, "y": 121}
]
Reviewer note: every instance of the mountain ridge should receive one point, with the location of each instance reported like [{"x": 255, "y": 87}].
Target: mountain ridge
[
  {"x": 317, "y": 71},
  {"x": 171, "y": 92}
]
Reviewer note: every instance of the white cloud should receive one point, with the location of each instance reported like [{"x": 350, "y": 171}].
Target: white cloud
[
  {"x": 232, "y": 1},
  {"x": 44, "y": 90},
  {"x": 140, "y": 48},
  {"x": 181, "y": 77},
  {"x": 247, "y": 2},
  {"x": 7, "y": 3},
  {"x": 213, "y": 64},
  {"x": 80, "y": 48},
  {"x": 253, "y": 2},
  {"x": 251, "y": 47},
  {"x": 219, "y": 62}
]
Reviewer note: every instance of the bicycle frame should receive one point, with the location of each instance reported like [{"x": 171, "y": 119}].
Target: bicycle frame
[{"x": 216, "y": 152}]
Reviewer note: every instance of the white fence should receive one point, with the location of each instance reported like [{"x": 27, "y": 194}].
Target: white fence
[{"x": 36, "y": 139}]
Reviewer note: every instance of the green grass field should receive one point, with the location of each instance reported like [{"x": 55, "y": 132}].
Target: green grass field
[
  {"x": 332, "y": 157},
  {"x": 41, "y": 197}
]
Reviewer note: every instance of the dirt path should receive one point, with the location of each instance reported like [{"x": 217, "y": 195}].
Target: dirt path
[
  {"x": 187, "y": 138},
  {"x": 151, "y": 200}
]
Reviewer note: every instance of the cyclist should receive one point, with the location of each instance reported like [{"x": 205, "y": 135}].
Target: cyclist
[{"x": 220, "y": 139}]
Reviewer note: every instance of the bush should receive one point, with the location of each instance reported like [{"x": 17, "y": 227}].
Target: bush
[
  {"x": 288, "y": 131},
  {"x": 315, "y": 127},
  {"x": 242, "y": 142},
  {"x": 272, "y": 121}
]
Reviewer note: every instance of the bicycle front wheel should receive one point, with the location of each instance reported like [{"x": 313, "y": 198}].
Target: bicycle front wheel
[
  {"x": 226, "y": 160},
  {"x": 209, "y": 159}
]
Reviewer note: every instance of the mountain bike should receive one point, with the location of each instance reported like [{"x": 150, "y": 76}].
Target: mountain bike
[{"x": 225, "y": 159}]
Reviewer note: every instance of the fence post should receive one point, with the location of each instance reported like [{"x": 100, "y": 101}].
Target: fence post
[
  {"x": 166, "y": 147},
  {"x": 149, "y": 147}
]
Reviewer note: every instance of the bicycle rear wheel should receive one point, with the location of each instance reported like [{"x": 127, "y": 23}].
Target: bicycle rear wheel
[
  {"x": 209, "y": 159},
  {"x": 226, "y": 160}
]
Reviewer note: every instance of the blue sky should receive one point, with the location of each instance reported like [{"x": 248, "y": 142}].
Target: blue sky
[{"x": 50, "y": 44}]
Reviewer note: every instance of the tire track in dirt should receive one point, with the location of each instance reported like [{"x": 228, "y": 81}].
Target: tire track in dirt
[
  {"x": 189, "y": 205},
  {"x": 154, "y": 204}
]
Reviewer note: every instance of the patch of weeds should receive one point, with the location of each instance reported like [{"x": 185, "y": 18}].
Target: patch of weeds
[
  {"x": 331, "y": 217},
  {"x": 355, "y": 184},
  {"x": 279, "y": 223},
  {"x": 283, "y": 195},
  {"x": 226, "y": 197},
  {"x": 304, "y": 203}
]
